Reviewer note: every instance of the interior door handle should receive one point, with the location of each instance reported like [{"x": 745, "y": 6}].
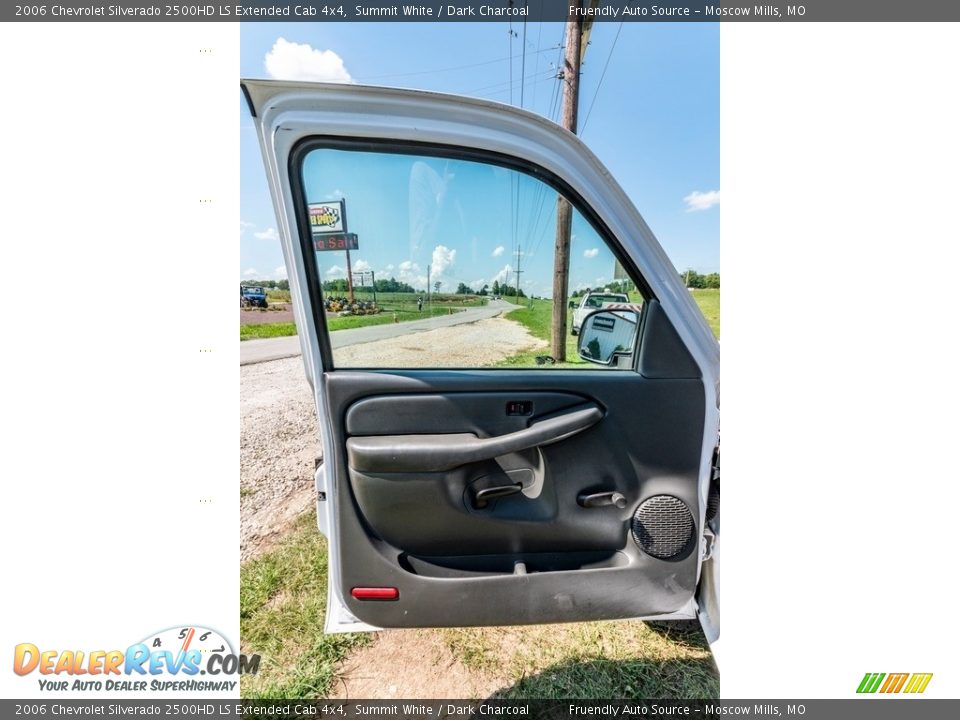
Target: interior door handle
[
  {"x": 483, "y": 497},
  {"x": 602, "y": 499},
  {"x": 437, "y": 453}
]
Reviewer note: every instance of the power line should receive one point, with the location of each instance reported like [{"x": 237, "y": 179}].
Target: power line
[
  {"x": 603, "y": 74},
  {"x": 503, "y": 86},
  {"x": 510, "y": 36},
  {"x": 449, "y": 69},
  {"x": 523, "y": 61},
  {"x": 536, "y": 66},
  {"x": 555, "y": 105}
]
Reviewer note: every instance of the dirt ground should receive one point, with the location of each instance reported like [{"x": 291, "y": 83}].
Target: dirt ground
[
  {"x": 469, "y": 345},
  {"x": 276, "y": 313},
  {"x": 278, "y": 450},
  {"x": 410, "y": 664}
]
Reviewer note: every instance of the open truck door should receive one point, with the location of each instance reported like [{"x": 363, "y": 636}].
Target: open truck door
[{"x": 462, "y": 495}]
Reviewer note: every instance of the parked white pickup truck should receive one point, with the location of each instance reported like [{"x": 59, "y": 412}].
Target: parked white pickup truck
[{"x": 594, "y": 301}]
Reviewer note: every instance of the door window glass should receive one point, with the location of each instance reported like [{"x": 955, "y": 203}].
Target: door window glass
[{"x": 428, "y": 262}]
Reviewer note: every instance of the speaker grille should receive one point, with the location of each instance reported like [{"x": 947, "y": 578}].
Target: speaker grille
[{"x": 662, "y": 526}]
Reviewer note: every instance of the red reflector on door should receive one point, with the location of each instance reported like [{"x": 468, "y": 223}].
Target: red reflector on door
[{"x": 373, "y": 593}]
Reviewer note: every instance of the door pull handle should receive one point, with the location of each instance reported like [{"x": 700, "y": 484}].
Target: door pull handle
[
  {"x": 603, "y": 499},
  {"x": 483, "y": 497}
]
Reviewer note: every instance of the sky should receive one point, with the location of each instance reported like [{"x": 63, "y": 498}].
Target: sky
[
  {"x": 649, "y": 109},
  {"x": 460, "y": 221}
]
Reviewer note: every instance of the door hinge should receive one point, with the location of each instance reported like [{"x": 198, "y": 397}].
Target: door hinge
[
  {"x": 706, "y": 544},
  {"x": 713, "y": 492}
]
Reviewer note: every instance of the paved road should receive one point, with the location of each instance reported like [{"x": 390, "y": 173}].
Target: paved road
[{"x": 256, "y": 351}]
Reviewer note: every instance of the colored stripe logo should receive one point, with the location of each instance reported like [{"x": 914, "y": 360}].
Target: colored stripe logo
[{"x": 913, "y": 683}]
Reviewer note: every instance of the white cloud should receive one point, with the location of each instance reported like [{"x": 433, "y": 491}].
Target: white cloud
[
  {"x": 504, "y": 274},
  {"x": 280, "y": 273},
  {"x": 336, "y": 271},
  {"x": 410, "y": 274},
  {"x": 335, "y": 195},
  {"x": 591, "y": 253},
  {"x": 299, "y": 61},
  {"x": 497, "y": 251},
  {"x": 443, "y": 258},
  {"x": 389, "y": 267},
  {"x": 697, "y": 200},
  {"x": 268, "y": 234},
  {"x": 360, "y": 266},
  {"x": 250, "y": 272},
  {"x": 244, "y": 225}
]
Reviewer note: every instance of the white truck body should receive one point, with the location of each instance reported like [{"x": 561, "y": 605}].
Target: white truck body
[{"x": 592, "y": 302}]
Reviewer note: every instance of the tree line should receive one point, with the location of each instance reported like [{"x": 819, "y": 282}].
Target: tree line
[
  {"x": 693, "y": 279},
  {"x": 270, "y": 284},
  {"x": 690, "y": 278}
]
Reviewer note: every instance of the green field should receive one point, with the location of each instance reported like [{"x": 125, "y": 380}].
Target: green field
[
  {"x": 267, "y": 330},
  {"x": 709, "y": 302},
  {"x": 347, "y": 322},
  {"x": 394, "y": 307},
  {"x": 274, "y": 295}
]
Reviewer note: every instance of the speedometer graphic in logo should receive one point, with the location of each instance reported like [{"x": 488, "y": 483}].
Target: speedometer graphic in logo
[{"x": 185, "y": 638}]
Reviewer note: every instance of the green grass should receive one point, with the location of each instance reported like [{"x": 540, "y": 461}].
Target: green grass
[
  {"x": 385, "y": 317},
  {"x": 538, "y": 318},
  {"x": 347, "y": 322},
  {"x": 267, "y": 330},
  {"x": 709, "y": 302},
  {"x": 283, "y": 597},
  {"x": 622, "y": 659}
]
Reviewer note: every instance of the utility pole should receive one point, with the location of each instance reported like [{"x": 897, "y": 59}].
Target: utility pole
[
  {"x": 573, "y": 55},
  {"x": 343, "y": 214},
  {"x": 429, "y": 301},
  {"x": 518, "y": 271}
]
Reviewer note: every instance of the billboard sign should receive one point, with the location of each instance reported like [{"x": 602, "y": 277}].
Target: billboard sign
[
  {"x": 335, "y": 241},
  {"x": 326, "y": 217}
]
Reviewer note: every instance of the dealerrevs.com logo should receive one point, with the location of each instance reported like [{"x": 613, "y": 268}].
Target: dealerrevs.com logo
[{"x": 191, "y": 658}]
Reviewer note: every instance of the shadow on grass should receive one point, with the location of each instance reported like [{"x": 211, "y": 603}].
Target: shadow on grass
[
  {"x": 683, "y": 632},
  {"x": 691, "y": 679}
]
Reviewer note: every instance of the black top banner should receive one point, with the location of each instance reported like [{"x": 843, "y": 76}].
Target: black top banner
[{"x": 491, "y": 10}]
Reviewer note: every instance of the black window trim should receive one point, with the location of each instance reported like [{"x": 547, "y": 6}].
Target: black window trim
[{"x": 437, "y": 150}]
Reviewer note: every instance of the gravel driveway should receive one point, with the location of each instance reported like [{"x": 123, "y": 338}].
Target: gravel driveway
[{"x": 278, "y": 431}]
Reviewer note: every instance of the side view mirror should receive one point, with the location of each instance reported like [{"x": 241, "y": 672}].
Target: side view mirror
[{"x": 608, "y": 337}]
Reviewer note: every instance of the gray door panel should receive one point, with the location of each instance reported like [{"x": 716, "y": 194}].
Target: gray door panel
[{"x": 535, "y": 554}]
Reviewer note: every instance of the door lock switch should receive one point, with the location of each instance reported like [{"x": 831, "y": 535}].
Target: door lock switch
[{"x": 520, "y": 407}]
